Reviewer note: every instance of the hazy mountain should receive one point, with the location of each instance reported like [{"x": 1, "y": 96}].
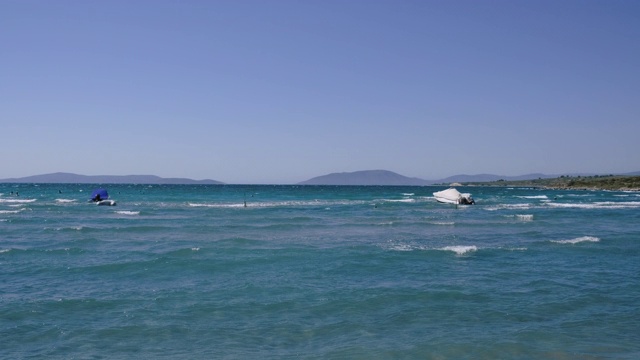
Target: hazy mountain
[
  {"x": 69, "y": 178},
  {"x": 366, "y": 177},
  {"x": 384, "y": 177}
]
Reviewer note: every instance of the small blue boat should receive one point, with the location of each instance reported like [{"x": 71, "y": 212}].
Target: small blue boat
[{"x": 101, "y": 197}]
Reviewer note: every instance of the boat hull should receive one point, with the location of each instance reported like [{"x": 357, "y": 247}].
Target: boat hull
[{"x": 453, "y": 196}]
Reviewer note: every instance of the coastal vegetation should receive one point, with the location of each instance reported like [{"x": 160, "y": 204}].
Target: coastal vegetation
[{"x": 603, "y": 182}]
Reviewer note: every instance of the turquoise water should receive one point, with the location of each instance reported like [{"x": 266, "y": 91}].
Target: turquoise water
[{"x": 189, "y": 272}]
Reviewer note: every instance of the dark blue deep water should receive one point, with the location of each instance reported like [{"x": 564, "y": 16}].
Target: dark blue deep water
[{"x": 317, "y": 272}]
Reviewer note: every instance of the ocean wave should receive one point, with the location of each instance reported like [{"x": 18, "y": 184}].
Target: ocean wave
[
  {"x": 524, "y": 217},
  {"x": 66, "y": 200},
  {"x": 508, "y": 207},
  {"x": 74, "y": 228},
  {"x": 17, "y": 201},
  {"x": 399, "y": 200},
  {"x": 280, "y": 204},
  {"x": 597, "y": 205},
  {"x": 460, "y": 249},
  {"x": 125, "y": 212},
  {"x": 533, "y": 197},
  {"x": 216, "y": 205},
  {"x": 10, "y": 211},
  {"x": 520, "y": 217},
  {"x": 577, "y": 240},
  {"x": 404, "y": 247},
  {"x": 447, "y": 223}
]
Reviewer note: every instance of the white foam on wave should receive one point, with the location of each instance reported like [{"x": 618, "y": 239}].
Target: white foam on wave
[
  {"x": 4, "y": 250},
  {"x": 278, "y": 204},
  {"x": 395, "y": 245},
  {"x": 66, "y": 200},
  {"x": 408, "y": 194},
  {"x": 402, "y": 247},
  {"x": 577, "y": 240},
  {"x": 629, "y": 193},
  {"x": 10, "y": 211},
  {"x": 524, "y": 217},
  {"x": 400, "y": 200},
  {"x": 598, "y": 205},
  {"x": 77, "y": 228},
  {"x": 460, "y": 249},
  {"x": 508, "y": 207},
  {"x": 216, "y": 205},
  {"x": 195, "y": 249},
  {"x": 127, "y": 212},
  {"x": 447, "y": 223},
  {"x": 534, "y": 197},
  {"x": 17, "y": 201}
]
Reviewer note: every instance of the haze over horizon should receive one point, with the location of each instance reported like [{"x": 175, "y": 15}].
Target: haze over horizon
[{"x": 283, "y": 91}]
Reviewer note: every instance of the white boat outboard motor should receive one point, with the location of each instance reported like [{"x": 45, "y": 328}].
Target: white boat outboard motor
[{"x": 466, "y": 200}]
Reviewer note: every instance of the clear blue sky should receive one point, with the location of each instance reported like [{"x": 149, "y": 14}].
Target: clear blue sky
[{"x": 282, "y": 91}]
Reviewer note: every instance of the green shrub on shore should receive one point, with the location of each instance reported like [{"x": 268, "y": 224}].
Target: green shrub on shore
[{"x": 604, "y": 182}]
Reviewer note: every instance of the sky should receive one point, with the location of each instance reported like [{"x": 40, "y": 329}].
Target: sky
[{"x": 280, "y": 91}]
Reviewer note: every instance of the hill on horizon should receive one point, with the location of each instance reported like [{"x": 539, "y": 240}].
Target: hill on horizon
[
  {"x": 70, "y": 178},
  {"x": 385, "y": 177},
  {"x": 366, "y": 177}
]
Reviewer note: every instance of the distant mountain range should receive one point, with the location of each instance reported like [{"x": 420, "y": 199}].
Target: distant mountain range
[
  {"x": 384, "y": 177},
  {"x": 69, "y": 178},
  {"x": 366, "y": 177}
]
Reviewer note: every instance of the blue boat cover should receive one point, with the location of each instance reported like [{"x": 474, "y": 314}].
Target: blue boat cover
[{"x": 102, "y": 192}]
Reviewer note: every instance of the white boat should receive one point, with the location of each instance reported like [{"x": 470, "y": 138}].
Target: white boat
[{"x": 453, "y": 196}]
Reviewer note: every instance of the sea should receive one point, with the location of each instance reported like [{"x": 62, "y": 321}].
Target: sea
[{"x": 317, "y": 272}]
